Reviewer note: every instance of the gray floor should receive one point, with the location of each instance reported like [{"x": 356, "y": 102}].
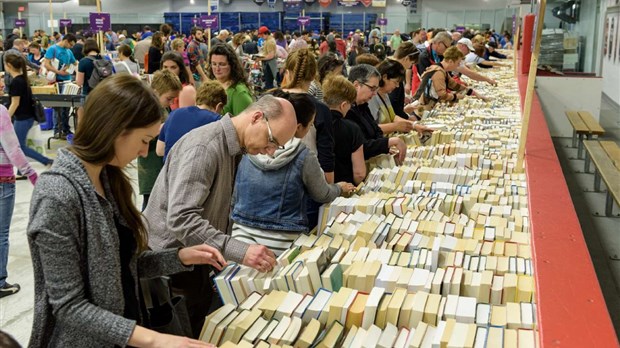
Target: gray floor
[
  {"x": 601, "y": 233},
  {"x": 16, "y": 310}
]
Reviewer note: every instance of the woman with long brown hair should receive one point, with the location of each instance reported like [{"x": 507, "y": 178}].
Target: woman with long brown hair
[
  {"x": 155, "y": 52},
  {"x": 87, "y": 239}
]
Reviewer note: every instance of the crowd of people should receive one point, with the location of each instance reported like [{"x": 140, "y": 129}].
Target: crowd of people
[{"x": 226, "y": 174}]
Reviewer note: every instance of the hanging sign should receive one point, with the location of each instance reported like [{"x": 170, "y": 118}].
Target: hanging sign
[
  {"x": 406, "y": 2},
  {"x": 259, "y": 2},
  {"x": 348, "y": 3},
  {"x": 20, "y": 23},
  {"x": 325, "y": 3},
  {"x": 195, "y": 21},
  {"x": 100, "y": 21},
  {"x": 65, "y": 23},
  {"x": 304, "y": 21},
  {"x": 366, "y": 2},
  {"x": 209, "y": 21},
  {"x": 271, "y": 3},
  {"x": 378, "y": 3},
  {"x": 381, "y": 21}
]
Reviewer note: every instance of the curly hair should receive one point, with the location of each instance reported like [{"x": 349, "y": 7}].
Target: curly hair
[
  {"x": 302, "y": 67},
  {"x": 237, "y": 74}
]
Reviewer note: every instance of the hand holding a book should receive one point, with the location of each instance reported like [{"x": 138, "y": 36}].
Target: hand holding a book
[
  {"x": 202, "y": 254},
  {"x": 420, "y": 128},
  {"x": 260, "y": 258},
  {"x": 346, "y": 188},
  {"x": 400, "y": 146}
]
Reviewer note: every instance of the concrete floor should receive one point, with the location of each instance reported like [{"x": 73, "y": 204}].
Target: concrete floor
[
  {"x": 16, "y": 311},
  {"x": 601, "y": 234}
]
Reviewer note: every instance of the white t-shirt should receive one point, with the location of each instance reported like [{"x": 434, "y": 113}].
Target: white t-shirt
[{"x": 473, "y": 58}]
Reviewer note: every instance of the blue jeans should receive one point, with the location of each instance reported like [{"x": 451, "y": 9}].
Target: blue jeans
[
  {"x": 61, "y": 117},
  {"x": 7, "y": 203},
  {"x": 21, "y": 129}
]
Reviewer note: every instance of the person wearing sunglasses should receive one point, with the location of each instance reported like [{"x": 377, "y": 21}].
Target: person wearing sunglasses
[
  {"x": 365, "y": 79},
  {"x": 190, "y": 199}
]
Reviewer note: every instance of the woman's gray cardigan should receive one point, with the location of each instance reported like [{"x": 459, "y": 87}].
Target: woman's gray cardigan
[{"x": 75, "y": 253}]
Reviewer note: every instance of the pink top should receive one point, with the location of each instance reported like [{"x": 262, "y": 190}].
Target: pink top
[{"x": 10, "y": 152}]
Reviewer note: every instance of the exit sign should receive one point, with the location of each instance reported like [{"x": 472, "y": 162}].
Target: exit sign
[{"x": 21, "y": 9}]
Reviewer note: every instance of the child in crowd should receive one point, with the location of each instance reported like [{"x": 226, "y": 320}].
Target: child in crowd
[
  {"x": 340, "y": 93},
  {"x": 270, "y": 191},
  {"x": 167, "y": 87},
  {"x": 210, "y": 100}
]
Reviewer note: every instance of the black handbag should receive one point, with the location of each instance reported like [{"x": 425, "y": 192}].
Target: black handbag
[
  {"x": 39, "y": 110},
  {"x": 164, "y": 312}
]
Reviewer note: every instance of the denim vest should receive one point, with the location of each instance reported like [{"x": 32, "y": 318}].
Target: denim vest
[{"x": 271, "y": 199}]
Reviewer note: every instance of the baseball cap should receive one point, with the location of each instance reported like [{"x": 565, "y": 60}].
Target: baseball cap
[
  {"x": 263, "y": 29},
  {"x": 467, "y": 42}
]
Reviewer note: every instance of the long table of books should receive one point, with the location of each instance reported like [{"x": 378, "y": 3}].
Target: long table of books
[{"x": 435, "y": 252}]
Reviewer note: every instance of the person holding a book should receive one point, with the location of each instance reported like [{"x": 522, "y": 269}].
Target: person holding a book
[
  {"x": 340, "y": 94},
  {"x": 438, "y": 86},
  {"x": 88, "y": 241},
  {"x": 365, "y": 78},
  {"x": 190, "y": 199},
  {"x": 300, "y": 69},
  {"x": 270, "y": 191},
  {"x": 60, "y": 64}
]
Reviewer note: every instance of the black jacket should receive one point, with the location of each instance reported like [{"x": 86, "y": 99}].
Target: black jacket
[{"x": 374, "y": 141}]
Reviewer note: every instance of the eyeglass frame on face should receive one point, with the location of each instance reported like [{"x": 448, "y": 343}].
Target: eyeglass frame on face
[
  {"x": 371, "y": 88},
  {"x": 270, "y": 137}
]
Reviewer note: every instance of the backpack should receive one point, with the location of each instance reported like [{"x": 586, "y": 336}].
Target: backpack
[{"x": 102, "y": 68}]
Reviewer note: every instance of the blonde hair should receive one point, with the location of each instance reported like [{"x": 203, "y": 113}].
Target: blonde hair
[
  {"x": 337, "y": 89},
  {"x": 211, "y": 93},
  {"x": 302, "y": 67},
  {"x": 165, "y": 81},
  {"x": 176, "y": 43},
  {"x": 453, "y": 54}
]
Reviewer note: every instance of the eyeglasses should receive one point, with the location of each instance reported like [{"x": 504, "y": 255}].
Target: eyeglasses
[
  {"x": 271, "y": 139},
  {"x": 372, "y": 88}
]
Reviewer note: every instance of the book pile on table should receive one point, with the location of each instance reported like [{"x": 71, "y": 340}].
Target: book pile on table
[{"x": 433, "y": 253}]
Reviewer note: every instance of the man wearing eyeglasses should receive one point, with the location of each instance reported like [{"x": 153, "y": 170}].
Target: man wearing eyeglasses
[
  {"x": 190, "y": 202},
  {"x": 433, "y": 54}
]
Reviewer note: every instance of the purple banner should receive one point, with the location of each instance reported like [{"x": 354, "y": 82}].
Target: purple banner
[
  {"x": 381, "y": 21},
  {"x": 209, "y": 22},
  {"x": 195, "y": 21},
  {"x": 460, "y": 29},
  {"x": 20, "y": 23},
  {"x": 305, "y": 20},
  {"x": 64, "y": 23},
  {"x": 100, "y": 21}
]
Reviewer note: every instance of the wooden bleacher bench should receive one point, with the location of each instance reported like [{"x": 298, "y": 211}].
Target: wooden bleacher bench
[
  {"x": 584, "y": 125},
  {"x": 606, "y": 158}
]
